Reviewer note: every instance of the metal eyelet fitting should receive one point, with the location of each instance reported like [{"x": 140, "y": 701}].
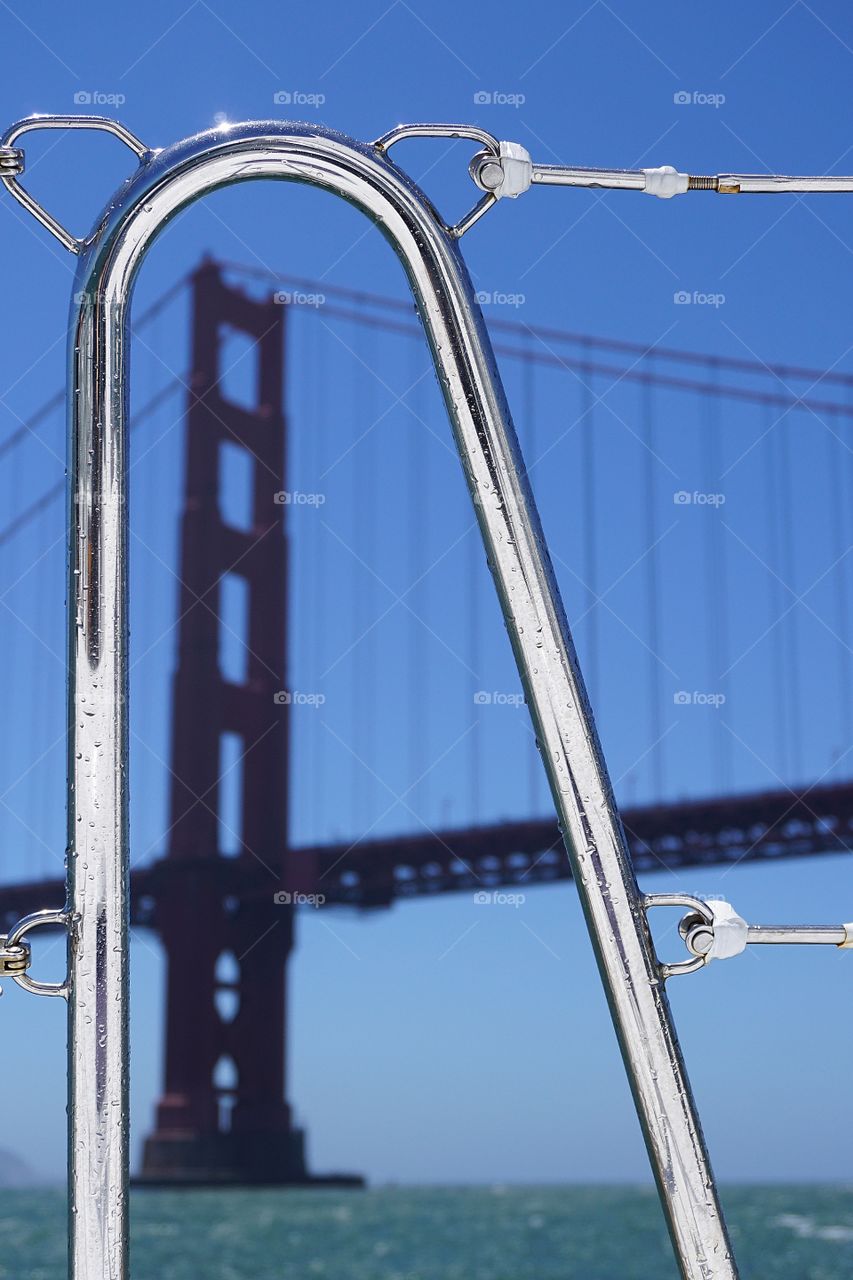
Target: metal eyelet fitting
[
  {"x": 491, "y": 148},
  {"x": 699, "y": 921},
  {"x": 12, "y": 164},
  {"x": 15, "y": 953}
]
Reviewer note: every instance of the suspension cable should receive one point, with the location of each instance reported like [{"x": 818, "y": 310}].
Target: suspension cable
[
  {"x": 781, "y": 709},
  {"x": 716, "y": 577},
  {"x": 657, "y": 760},
  {"x": 590, "y": 548},
  {"x": 791, "y": 623},
  {"x": 534, "y": 776},
  {"x": 418, "y": 503},
  {"x": 676, "y": 355},
  {"x": 28, "y": 426},
  {"x": 840, "y": 573},
  {"x": 26, "y": 517}
]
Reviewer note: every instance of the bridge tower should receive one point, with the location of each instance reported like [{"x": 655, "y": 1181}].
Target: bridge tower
[{"x": 223, "y": 1117}]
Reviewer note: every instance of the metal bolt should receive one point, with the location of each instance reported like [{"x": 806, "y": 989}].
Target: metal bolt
[
  {"x": 487, "y": 171},
  {"x": 700, "y": 940},
  {"x": 697, "y": 934}
]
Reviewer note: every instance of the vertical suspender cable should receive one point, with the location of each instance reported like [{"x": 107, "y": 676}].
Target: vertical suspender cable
[
  {"x": 41, "y": 711},
  {"x": 840, "y": 547},
  {"x": 791, "y": 623},
  {"x": 301, "y": 447},
  {"x": 357, "y": 595},
  {"x": 16, "y": 679},
  {"x": 778, "y": 697},
  {"x": 9, "y": 674},
  {"x": 473, "y": 556},
  {"x": 417, "y": 489},
  {"x": 534, "y": 776},
  {"x": 319, "y": 432},
  {"x": 716, "y": 577},
  {"x": 847, "y": 527},
  {"x": 590, "y": 551},
  {"x": 23, "y": 650},
  {"x": 147, "y": 773},
  {"x": 362, "y": 681},
  {"x": 366, "y": 496},
  {"x": 657, "y": 760}
]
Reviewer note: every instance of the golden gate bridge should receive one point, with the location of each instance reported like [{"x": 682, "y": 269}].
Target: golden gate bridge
[{"x": 324, "y": 716}]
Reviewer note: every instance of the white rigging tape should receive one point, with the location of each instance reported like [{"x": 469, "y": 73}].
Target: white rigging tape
[
  {"x": 730, "y": 932},
  {"x": 665, "y": 182},
  {"x": 517, "y": 170}
]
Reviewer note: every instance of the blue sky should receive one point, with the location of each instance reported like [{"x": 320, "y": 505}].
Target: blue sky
[{"x": 438, "y": 1042}]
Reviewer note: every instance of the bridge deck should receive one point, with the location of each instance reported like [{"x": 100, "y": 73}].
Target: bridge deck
[{"x": 756, "y": 826}]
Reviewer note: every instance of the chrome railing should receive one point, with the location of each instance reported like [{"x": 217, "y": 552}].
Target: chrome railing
[{"x": 96, "y": 914}]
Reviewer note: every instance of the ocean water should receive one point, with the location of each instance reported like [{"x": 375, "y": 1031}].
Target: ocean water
[{"x": 498, "y": 1233}]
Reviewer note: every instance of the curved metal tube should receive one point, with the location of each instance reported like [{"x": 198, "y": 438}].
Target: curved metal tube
[{"x": 98, "y": 825}]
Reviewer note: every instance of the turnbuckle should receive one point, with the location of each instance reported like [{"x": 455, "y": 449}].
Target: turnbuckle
[
  {"x": 16, "y": 953},
  {"x": 712, "y": 930}
]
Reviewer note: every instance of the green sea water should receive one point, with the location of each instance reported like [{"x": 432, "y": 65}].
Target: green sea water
[{"x": 498, "y": 1233}]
